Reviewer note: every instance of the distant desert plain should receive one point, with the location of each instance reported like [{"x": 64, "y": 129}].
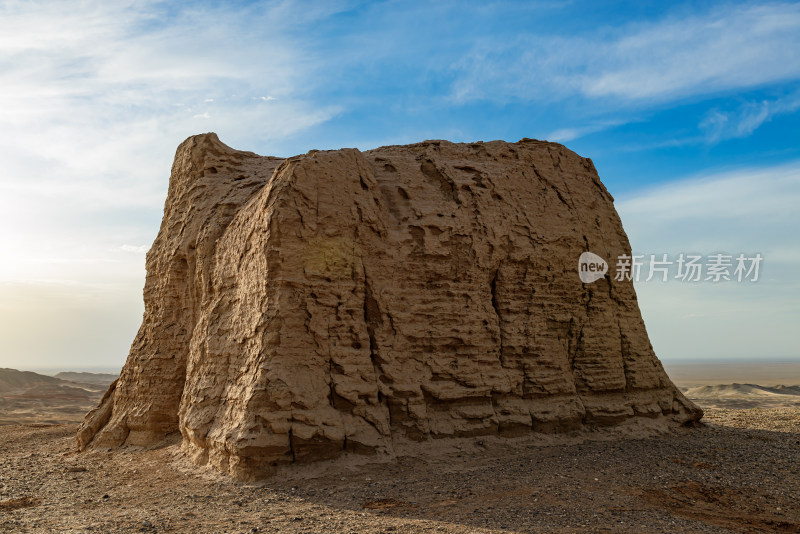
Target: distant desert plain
[
  {"x": 739, "y": 471},
  {"x": 27, "y": 397},
  {"x": 738, "y": 384}
]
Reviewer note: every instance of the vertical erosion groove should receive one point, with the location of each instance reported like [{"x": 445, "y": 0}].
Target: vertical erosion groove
[
  {"x": 496, "y": 308},
  {"x": 372, "y": 319}
]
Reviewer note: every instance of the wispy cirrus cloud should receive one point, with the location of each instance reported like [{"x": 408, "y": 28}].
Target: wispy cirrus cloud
[
  {"x": 748, "y": 197},
  {"x": 720, "y": 124},
  {"x": 97, "y": 95},
  {"x": 563, "y": 135},
  {"x": 729, "y": 47}
]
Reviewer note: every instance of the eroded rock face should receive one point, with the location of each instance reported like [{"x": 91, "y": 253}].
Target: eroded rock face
[{"x": 344, "y": 300}]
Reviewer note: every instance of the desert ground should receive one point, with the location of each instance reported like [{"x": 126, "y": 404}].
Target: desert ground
[{"x": 738, "y": 472}]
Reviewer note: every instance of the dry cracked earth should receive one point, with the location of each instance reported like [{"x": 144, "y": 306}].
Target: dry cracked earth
[{"x": 740, "y": 472}]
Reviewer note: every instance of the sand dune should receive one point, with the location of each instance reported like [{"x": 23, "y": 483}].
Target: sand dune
[
  {"x": 744, "y": 395},
  {"x": 731, "y": 390},
  {"x": 762, "y": 372}
]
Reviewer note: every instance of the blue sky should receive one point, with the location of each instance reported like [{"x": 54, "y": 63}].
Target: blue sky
[{"x": 690, "y": 111}]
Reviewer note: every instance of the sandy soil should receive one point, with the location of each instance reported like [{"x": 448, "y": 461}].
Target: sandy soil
[
  {"x": 21, "y": 409},
  {"x": 740, "y": 472}
]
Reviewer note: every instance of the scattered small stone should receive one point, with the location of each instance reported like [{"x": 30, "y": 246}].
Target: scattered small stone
[{"x": 558, "y": 486}]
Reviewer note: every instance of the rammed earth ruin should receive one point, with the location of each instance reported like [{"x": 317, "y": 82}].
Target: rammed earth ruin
[{"x": 345, "y": 301}]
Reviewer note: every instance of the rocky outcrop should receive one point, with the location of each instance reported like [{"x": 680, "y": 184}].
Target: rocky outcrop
[{"x": 345, "y": 300}]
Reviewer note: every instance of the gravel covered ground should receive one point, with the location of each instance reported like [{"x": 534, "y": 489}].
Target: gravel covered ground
[{"x": 740, "y": 473}]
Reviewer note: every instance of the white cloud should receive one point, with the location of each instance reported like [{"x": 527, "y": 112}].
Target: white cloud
[
  {"x": 97, "y": 95},
  {"x": 89, "y": 127},
  {"x": 720, "y": 125},
  {"x": 746, "y": 211},
  {"x": 745, "y": 196},
  {"x": 730, "y": 47},
  {"x": 563, "y": 135},
  {"x": 90, "y": 121}
]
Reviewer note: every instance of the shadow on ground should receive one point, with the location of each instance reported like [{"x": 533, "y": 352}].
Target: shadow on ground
[{"x": 712, "y": 479}]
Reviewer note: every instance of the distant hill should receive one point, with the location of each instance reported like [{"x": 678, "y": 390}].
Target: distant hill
[
  {"x": 18, "y": 384},
  {"x": 95, "y": 379},
  {"x": 12, "y": 380},
  {"x": 27, "y": 397},
  {"x": 737, "y": 390}
]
